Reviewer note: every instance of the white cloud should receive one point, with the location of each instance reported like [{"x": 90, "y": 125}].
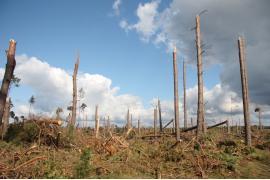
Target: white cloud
[
  {"x": 52, "y": 88},
  {"x": 147, "y": 20},
  {"x": 116, "y": 7}
]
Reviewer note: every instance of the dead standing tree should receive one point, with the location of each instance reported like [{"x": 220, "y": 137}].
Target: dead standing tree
[
  {"x": 10, "y": 66},
  {"x": 74, "y": 95},
  {"x": 96, "y": 122},
  {"x": 184, "y": 89},
  {"x": 200, "y": 112},
  {"x": 176, "y": 97},
  {"x": 128, "y": 120},
  {"x": 244, "y": 83},
  {"x": 6, "y": 117},
  {"x": 257, "y": 109},
  {"x": 160, "y": 119},
  {"x": 155, "y": 122}
]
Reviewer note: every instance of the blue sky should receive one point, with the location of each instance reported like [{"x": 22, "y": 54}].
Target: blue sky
[
  {"x": 55, "y": 30},
  {"x": 133, "y": 50}
]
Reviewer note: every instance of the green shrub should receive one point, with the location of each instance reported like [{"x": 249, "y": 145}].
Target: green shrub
[{"x": 83, "y": 167}]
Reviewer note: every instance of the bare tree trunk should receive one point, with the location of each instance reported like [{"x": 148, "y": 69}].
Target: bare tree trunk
[
  {"x": 245, "y": 96},
  {"x": 200, "y": 113},
  {"x": 176, "y": 97},
  {"x": 160, "y": 119},
  {"x": 260, "y": 121},
  {"x": 128, "y": 120},
  {"x": 74, "y": 100},
  {"x": 191, "y": 120},
  {"x": 6, "y": 118},
  {"x": 139, "y": 127},
  {"x": 109, "y": 123},
  {"x": 10, "y": 66},
  {"x": 155, "y": 122},
  {"x": 131, "y": 120},
  {"x": 228, "y": 127},
  {"x": 184, "y": 89},
  {"x": 96, "y": 122}
]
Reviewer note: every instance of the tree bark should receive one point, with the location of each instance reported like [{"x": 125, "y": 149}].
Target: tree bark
[
  {"x": 10, "y": 66},
  {"x": 200, "y": 112},
  {"x": 96, "y": 122},
  {"x": 160, "y": 119},
  {"x": 176, "y": 97},
  {"x": 184, "y": 89},
  {"x": 128, "y": 120},
  {"x": 155, "y": 121},
  {"x": 245, "y": 96},
  {"x": 74, "y": 101},
  {"x": 6, "y": 118},
  {"x": 139, "y": 127}
]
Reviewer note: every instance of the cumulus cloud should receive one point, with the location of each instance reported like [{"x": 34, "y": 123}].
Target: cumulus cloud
[
  {"x": 146, "y": 25},
  {"x": 52, "y": 88}
]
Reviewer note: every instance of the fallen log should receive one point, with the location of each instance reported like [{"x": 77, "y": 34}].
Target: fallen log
[{"x": 210, "y": 127}]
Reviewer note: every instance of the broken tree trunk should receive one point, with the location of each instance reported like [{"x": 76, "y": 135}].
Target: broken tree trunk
[
  {"x": 10, "y": 66},
  {"x": 96, "y": 122},
  {"x": 6, "y": 117},
  {"x": 168, "y": 123},
  {"x": 176, "y": 97},
  {"x": 200, "y": 111},
  {"x": 228, "y": 127},
  {"x": 245, "y": 96},
  {"x": 74, "y": 95},
  {"x": 184, "y": 89},
  {"x": 160, "y": 119},
  {"x": 210, "y": 127},
  {"x": 128, "y": 120},
  {"x": 155, "y": 121},
  {"x": 139, "y": 127}
]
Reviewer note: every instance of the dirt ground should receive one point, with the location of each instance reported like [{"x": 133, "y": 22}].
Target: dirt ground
[{"x": 81, "y": 155}]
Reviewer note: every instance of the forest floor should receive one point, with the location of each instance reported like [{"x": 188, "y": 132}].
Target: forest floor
[{"x": 81, "y": 155}]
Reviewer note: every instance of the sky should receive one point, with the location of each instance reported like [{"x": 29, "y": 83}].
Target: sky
[{"x": 125, "y": 52}]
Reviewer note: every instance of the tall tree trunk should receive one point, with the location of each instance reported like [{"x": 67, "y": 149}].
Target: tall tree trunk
[
  {"x": 10, "y": 66},
  {"x": 128, "y": 120},
  {"x": 74, "y": 100},
  {"x": 200, "y": 112},
  {"x": 109, "y": 123},
  {"x": 6, "y": 118},
  {"x": 155, "y": 121},
  {"x": 184, "y": 89},
  {"x": 139, "y": 127},
  {"x": 176, "y": 97},
  {"x": 96, "y": 122},
  {"x": 228, "y": 127},
  {"x": 160, "y": 119},
  {"x": 245, "y": 96},
  {"x": 260, "y": 120}
]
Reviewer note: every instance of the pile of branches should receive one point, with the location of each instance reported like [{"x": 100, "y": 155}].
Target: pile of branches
[{"x": 41, "y": 130}]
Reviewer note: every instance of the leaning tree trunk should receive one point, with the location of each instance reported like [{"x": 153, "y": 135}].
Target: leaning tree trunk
[
  {"x": 6, "y": 117},
  {"x": 200, "y": 112},
  {"x": 74, "y": 100},
  {"x": 245, "y": 96},
  {"x": 10, "y": 66},
  {"x": 176, "y": 97}
]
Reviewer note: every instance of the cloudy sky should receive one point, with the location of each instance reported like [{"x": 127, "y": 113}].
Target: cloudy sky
[{"x": 126, "y": 55}]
